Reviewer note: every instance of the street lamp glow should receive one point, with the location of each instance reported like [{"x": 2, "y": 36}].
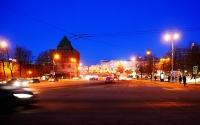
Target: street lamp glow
[
  {"x": 176, "y": 36},
  {"x": 56, "y": 56},
  {"x": 148, "y": 52},
  {"x": 167, "y": 37},
  {"x": 133, "y": 59},
  {"x": 3, "y": 44},
  {"x": 171, "y": 36}
]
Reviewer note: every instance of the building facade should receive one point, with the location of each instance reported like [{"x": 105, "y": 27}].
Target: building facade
[
  {"x": 67, "y": 65},
  {"x": 113, "y": 66}
]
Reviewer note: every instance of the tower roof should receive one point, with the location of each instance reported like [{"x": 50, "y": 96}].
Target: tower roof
[{"x": 64, "y": 43}]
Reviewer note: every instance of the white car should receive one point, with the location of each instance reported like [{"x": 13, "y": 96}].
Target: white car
[
  {"x": 53, "y": 80},
  {"x": 18, "y": 82}
]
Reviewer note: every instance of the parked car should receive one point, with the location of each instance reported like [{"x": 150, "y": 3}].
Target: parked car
[
  {"x": 12, "y": 97},
  {"x": 18, "y": 82},
  {"x": 35, "y": 80},
  {"x": 109, "y": 80}
]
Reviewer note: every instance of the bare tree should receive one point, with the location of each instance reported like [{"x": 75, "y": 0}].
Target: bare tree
[
  {"x": 3, "y": 57},
  {"x": 43, "y": 58},
  {"x": 23, "y": 56},
  {"x": 192, "y": 56}
]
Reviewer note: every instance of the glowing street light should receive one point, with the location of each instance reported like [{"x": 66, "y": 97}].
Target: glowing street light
[
  {"x": 133, "y": 59},
  {"x": 56, "y": 56},
  {"x": 3, "y": 44},
  {"x": 172, "y": 37}
]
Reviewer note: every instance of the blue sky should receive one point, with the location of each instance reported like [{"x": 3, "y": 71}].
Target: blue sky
[{"x": 117, "y": 29}]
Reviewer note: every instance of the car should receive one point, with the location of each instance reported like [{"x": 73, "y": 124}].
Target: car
[
  {"x": 109, "y": 80},
  {"x": 76, "y": 78},
  {"x": 18, "y": 82},
  {"x": 93, "y": 78},
  {"x": 3, "y": 81},
  {"x": 34, "y": 80},
  {"x": 12, "y": 97},
  {"x": 53, "y": 79}
]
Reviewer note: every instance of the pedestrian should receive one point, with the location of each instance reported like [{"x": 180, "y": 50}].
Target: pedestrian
[
  {"x": 184, "y": 80},
  {"x": 168, "y": 78},
  {"x": 151, "y": 77},
  {"x": 155, "y": 77},
  {"x": 137, "y": 77},
  {"x": 180, "y": 79}
]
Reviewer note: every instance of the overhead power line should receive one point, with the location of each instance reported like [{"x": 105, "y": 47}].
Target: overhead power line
[
  {"x": 103, "y": 34},
  {"x": 37, "y": 20}
]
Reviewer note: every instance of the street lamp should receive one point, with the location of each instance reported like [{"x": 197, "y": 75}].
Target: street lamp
[
  {"x": 3, "y": 44},
  {"x": 29, "y": 72},
  {"x": 150, "y": 53},
  {"x": 172, "y": 37},
  {"x": 133, "y": 59},
  {"x": 3, "y": 50},
  {"x": 56, "y": 56}
]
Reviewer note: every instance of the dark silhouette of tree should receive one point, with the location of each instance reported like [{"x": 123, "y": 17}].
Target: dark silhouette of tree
[
  {"x": 23, "y": 57},
  {"x": 148, "y": 67},
  {"x": 192, "y": 56},
  {"x": 140, "y": 65},
  {"x": 3, "y": 56},
  {"x": 43, "y": 58}
]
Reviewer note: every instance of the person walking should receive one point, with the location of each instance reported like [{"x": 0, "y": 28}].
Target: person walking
[
  {"x": 168, "y": 78},
  {"x": 184, "y": 80},
  {"x": 155, "y": 77},
  {"x": 180, "y": 79}
]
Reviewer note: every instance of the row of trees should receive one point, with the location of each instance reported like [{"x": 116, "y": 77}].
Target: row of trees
[
  {"x": 184, "y": 60},
  {"x": 22, "y": 56}
]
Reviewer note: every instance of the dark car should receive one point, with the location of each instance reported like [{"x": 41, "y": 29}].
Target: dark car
[
  {"x": 18, "y": 82},
  {"x": 93, "y": 78},
  {"x": 12, "y": 97},
  {"x": 109, "y": 80},
  {"x": 35, "y": 81}
]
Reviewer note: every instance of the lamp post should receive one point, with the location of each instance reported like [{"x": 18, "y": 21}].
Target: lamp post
[
  {"x": 3, "y": 47},
  {"x": 172, "y": 37},
  {"x": 150, "y": 53},
  {"x": 72, "y": 60},
  {"x": 56, "y": 56}
]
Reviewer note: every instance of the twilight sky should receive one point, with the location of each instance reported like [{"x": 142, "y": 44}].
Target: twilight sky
[{"x": 99, "y": 29}]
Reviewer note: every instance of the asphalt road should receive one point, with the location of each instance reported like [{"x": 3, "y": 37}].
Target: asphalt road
[{"x": 136, "y": 102}]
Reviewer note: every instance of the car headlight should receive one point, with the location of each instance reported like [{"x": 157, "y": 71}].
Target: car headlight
[
  {"x": 23, "y": 95},
  {"x": 24, "y": 83},
  {"x": 17, "y": 83}
]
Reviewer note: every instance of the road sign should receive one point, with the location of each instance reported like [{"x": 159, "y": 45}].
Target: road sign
[{"x": 195, "y": 69}]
